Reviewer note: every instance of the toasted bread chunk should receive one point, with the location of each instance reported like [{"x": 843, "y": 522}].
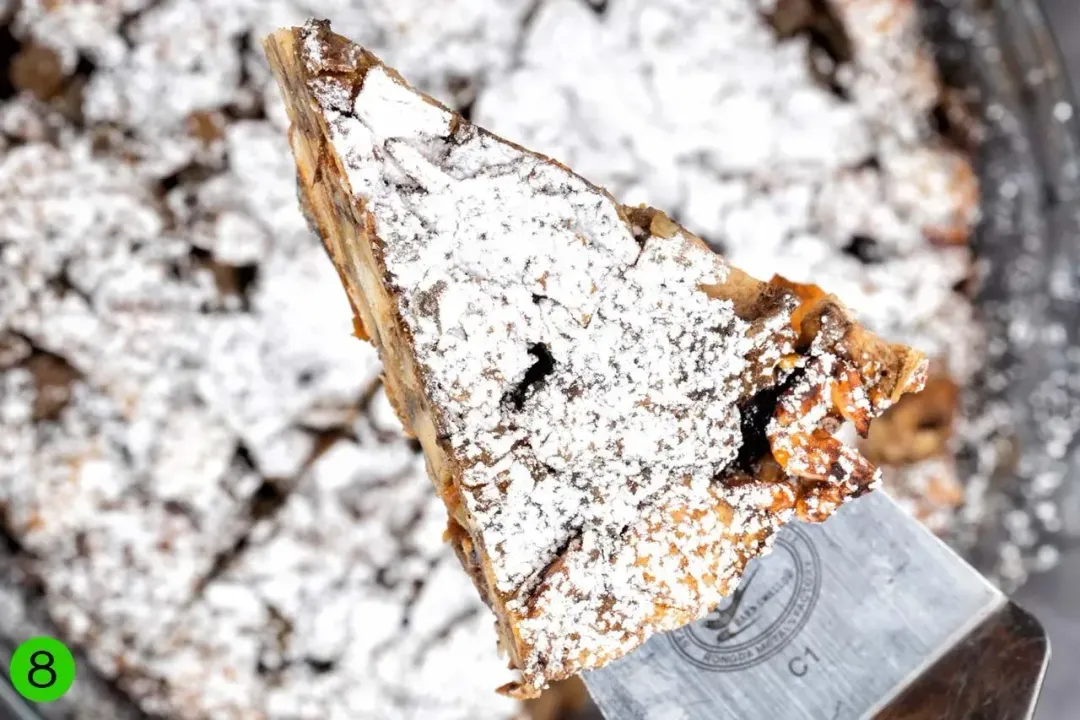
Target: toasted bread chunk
[{"x": 616, "y": 419}]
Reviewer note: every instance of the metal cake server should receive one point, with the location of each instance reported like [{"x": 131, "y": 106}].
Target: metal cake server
[{"x": 865, "y": 615}]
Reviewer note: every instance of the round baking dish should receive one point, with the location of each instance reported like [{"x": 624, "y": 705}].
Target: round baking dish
[{"x": 1024, "y": 495}]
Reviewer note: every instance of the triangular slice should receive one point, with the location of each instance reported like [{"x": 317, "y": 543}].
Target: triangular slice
[{"x": 616, "y": 419}]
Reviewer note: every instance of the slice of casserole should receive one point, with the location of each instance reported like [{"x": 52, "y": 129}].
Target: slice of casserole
[{"x": 616, "y": 419}]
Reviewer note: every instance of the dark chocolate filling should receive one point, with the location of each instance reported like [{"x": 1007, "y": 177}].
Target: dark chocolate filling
[
  {"x": 543, "y": 366},
  {"x": 755, "y": 414}
]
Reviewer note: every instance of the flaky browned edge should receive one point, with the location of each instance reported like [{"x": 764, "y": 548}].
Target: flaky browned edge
[{"x": 349, "y": 235}]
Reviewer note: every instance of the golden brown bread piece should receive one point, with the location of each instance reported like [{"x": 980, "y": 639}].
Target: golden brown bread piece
[{"x": 615, "y": 418}]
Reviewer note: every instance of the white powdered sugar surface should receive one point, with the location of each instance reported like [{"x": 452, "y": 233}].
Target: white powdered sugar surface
[
  {"x": 175, "y": 348},
  {"x": 345, "y": 604},
  {"x": 788, "y": 161},
  {"x": 502, "y": 263},
  {"x": 696, "y": 106}
]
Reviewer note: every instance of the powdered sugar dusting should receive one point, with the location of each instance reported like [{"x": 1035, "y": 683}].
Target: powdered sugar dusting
[
  {"x": 674, "y": 563},
  {"x": 638, "y": 351},
  {"x": 503, "y": 263},
  {"x": 319, "y": 600},
  {"x": 173, "y": 347},
  {"x": 795, "y": 154},
  {"x": 696, "y": 106}
]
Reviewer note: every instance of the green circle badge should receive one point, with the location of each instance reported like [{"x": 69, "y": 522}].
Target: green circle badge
[{"x": 42, "y": 669}]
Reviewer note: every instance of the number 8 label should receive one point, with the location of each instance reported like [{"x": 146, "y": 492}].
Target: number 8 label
[
  {"x": 42, "y": 669},
  {"x": 42, "y": 660}
]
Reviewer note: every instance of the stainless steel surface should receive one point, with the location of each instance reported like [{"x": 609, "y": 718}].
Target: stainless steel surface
[
  {"x": 13, "y": 707},
  {"x": 996, "y": 671},
  {"x": 1055, "y": 599},
  {"x": 1064, "y": 16},
  {"x": 1055, "y": 596},
  {"x": 838, "y": 620}
]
